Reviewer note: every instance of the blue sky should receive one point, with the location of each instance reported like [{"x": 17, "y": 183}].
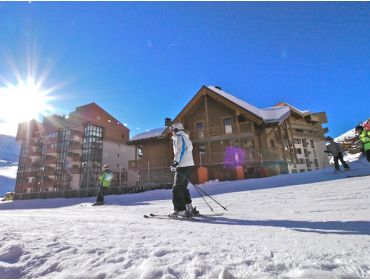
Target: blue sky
[{"x": 143, "y": 61}]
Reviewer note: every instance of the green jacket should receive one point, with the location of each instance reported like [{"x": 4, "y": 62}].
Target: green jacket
[
  {"x": 105, "y": 179},
  {"x": 365, "y": 139}
]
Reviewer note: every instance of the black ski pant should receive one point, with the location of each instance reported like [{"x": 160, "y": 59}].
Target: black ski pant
[
  {"x": 367, "y": 154},
  {"x": 180, "y": 192},
  {"x": 336, "y": 161},
  {"x": 100, "y": 195}
]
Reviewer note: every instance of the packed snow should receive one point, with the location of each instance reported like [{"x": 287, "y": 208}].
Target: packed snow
[{"x": 307, "y": 225}]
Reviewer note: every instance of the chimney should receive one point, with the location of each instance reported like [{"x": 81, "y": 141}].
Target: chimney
[
  {"x": 167, "y": 122},
  {"x": 218, "y": 87}
]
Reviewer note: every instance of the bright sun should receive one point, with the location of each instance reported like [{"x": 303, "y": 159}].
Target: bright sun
[{"x": 23, "y": 102}]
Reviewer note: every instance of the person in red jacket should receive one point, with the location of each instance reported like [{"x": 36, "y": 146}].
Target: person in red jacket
[{"x": 366, "y": 125}]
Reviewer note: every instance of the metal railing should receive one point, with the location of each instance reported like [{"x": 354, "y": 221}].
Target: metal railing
[{"x": 89, "y": 192}]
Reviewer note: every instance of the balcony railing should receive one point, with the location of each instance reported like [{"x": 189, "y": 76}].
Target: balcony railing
[
  {"x": 48, "y": 183},
  {"x": 49, "y": 171},
  {"x": 52, "y": 140},
  {"x": 75, "y": 170},
  {"x": 51, "y": 150},
  {"x": 32, "y": 153},
  {"x": 50, "y": 160},
  {"x": 75, "y": 134},
  {"x": 159, "y": 162},
  {"x": 219, "y": 130},
  {"x": 74, "y": 157},
  {"x": 74, "y": 145}
]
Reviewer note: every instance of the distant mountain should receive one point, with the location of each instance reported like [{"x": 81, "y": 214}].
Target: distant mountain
[
  {"x": 9, "y": 155},
  {"x": 9, "y": 148}
]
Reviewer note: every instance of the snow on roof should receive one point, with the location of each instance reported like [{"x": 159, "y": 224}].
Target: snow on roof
[
  {"x": 350, "y": 134},
  {"x": 268, "y": 115},
  {"x": 148, "y": 134},
  {"x": 305, "y": 112}
]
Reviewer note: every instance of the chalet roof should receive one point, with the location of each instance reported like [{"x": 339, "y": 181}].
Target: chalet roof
[
  {"x": 275, "y": 114},
  {"x": 149, "y": 134},
  {"x": 294, "y": 109}
]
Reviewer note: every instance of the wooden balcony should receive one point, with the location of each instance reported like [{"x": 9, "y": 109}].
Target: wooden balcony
[
  {"x": 51, "y": 150},
  {"x": 220, "y": 131},
  {"x": 22, "y": 187},
  {"x": 50, "y": 159},
  {"x": 48, "y": 183},
  {"x": 75, "y": 134},
  {"x": 74, "y": 145},
  {"x": 49, "y": 171},
  {"x": 53, "y": 140},
  {"x": 34, "y": 153},
  {"x": 74, "y": 157},
  {"x": 32, "y": 142},
  {"x": 28, "y": 173},
  {"x": 75, "y": 170}
]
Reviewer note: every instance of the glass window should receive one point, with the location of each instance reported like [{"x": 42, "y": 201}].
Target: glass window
[
  {"x": 199, "y": 128},
  {"x": 228, "y": 125}
]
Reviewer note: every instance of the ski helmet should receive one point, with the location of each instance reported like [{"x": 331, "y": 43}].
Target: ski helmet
[
  {"x": 177, "y": 126},
  {"x": 359, "y": 128}
]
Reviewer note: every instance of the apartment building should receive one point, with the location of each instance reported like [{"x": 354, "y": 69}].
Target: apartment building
[
  {"x": 230, "y": 134},
  {"x": 64, "y": 153}
]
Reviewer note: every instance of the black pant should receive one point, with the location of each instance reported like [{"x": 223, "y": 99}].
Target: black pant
[
  {"x": 180, "y": 192},
  {"x": 100, "y": 195},
  {"x": 367, "y": 153},
  {"x": 336, "y": 163}
]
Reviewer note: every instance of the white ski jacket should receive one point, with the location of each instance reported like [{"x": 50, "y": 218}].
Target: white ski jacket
[{"x": 182, "y": 149}]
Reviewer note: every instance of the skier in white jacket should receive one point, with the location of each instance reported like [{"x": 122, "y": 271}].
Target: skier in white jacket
[{"x": 182, "y": 164}]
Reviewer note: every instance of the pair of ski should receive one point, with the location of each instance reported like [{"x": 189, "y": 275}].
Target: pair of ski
[{"x": 163, "y": 216}]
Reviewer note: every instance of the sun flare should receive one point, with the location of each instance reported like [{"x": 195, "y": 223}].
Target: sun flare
[{"x": 25, "y": 101}]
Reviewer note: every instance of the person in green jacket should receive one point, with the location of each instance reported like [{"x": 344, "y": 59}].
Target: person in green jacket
[
  {"x": 105, "y": 180},
  {"x": 364, "y": 136}
]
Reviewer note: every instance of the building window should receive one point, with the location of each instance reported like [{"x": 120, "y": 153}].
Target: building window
[
  {"x": 140, "y": 152},
  {"x": 62, "y": 175},
  {"x": 92, "y": 153},
  {"x": 312, "y": 144},
  {"x": 297, "y": 141},
  {"x": 299, "y": 151},
  {"x": 228, "y": 125},
  {"x": 199, "y": 129},
  {"x": 272, "y": 143}
]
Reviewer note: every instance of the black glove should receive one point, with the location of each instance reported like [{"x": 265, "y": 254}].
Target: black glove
[{"x": 174, "y": 164}]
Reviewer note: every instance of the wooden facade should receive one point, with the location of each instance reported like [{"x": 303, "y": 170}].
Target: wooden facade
[{"x": 226, "y": 133}]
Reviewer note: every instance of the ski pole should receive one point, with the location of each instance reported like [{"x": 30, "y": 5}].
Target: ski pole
[
  {"x": 198, "y": 188},
  {"x": 203, "y": 198},
  {"x": 324, "y": 161}
]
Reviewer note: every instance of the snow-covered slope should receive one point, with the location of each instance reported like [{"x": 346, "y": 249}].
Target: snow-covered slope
[
  {"x": 9, "y": 148},
  {"x": 307, "y": 225},
  {"x": 9, "y": 155}
]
